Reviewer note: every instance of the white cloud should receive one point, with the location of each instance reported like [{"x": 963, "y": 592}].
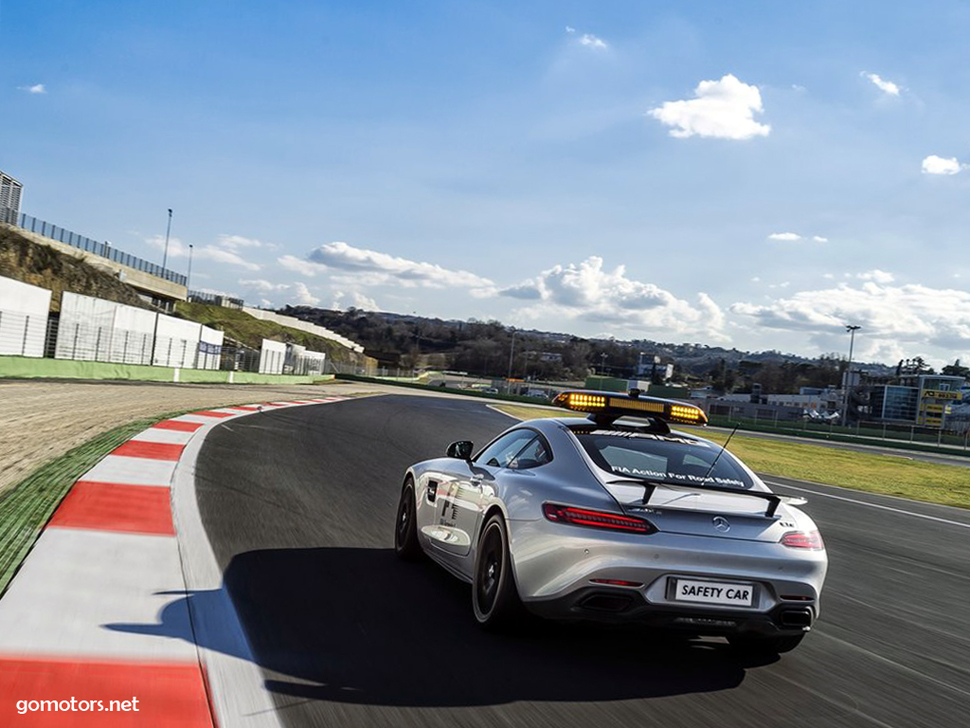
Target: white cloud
[
  {"x": 795, "y": 237},
  {"x": 588, "y": 293},
  {"x": 216, "y": 253},
  {"x": 262, "y": 286},
  {"x": 303, "y": 296},
  {"x": 940, "y": 165},
  {"x": 591, "y": 41},
  {"x": 722, "y": 109},
  {"x": 357, "y": 300},
  {"x": 756, "y": 279},
  {"x": 570, "y": 29},
  {"x": 369, "y": 267},
  {"x": 883, "y": 85},
  {"x": 918, "y": 315},
  {"x": 37, "y": 88},
  {"x": 879, "y": 276},
  {"x": 234, "y": 242}
]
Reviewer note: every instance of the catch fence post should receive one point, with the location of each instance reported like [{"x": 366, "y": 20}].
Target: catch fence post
[
  {"x": 23, "y": 346},
  {"x": 77, "y": 328}
]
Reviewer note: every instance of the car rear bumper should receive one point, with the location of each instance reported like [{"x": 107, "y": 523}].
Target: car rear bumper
[
  {"x": 627, "y": 606},
  {"x": 556, "y": 568}
]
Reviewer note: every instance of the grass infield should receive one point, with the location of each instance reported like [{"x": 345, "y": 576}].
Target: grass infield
[{"x": 947, "y": 485}]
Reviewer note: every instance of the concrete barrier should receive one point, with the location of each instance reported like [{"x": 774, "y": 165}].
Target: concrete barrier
[{"x": 18, "y": 367}]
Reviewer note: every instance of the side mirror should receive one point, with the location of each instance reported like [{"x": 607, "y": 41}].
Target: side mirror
[{"x": 461, "y": 450}]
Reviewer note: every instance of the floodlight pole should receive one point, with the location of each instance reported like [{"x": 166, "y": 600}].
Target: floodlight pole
[
  {"x": 508, "y": 379},
  {"x": 851, "y": 328},
  {"x": 168, "y": 230},
  {"x": 188, "y": 278}
]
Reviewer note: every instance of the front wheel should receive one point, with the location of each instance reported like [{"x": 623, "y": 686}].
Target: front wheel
[
  {"x": 765, "y": 645},
  {"x": 406, "y": 544},
  {"x": 495, "y": 599}
]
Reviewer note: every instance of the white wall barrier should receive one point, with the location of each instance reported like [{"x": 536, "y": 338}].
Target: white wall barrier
[
  {"x": 210, "y": 348},
  {"x": 23, "y": 318},
  {"x": 176, "y": 342},
  {"x": 86, "y": 329},
  {"x": 272, "y": 356}
]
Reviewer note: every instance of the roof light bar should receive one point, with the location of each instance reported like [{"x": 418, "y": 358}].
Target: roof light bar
[{"x": 615, "y": 404}]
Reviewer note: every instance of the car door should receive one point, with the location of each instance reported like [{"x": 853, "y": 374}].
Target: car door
[
  {"x": 496, "y": 472},
  {"x": 463, "y": 492}
]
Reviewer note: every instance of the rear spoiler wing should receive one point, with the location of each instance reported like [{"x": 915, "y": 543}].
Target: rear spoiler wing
[{"x": 774, "y": 500}]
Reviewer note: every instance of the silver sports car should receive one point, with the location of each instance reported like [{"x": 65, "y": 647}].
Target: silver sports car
[{"x": 614, "y": 519}]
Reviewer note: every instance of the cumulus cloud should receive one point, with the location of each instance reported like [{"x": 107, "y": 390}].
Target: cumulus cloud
[
  {"x": 940, "y": 165},
  {"x": 588, "y": 293},
  {"x": 303, "y": 296},
  {"x": 795, "y": 237},
  {"x": 217, "y": 252},
  {"x": 879, "y": 276},
  {"x": 369, "y": 267},
  {"x": 721, "y": 109},
  {"x": 357, "y": 300},
  {"x": 235, "y": 242},
  {"x": 570, "y": 29},
  {"x": 591, "y": 41},
  {"x": 37, "y": 88},
  {"x": 887, "y": 87},
  {"x": 262, "y": 286},
  {"x": 888, "y": 313}
]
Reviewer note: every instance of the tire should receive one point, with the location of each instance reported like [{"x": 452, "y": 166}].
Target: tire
[
  {"x": 406, "y": 544},
  {"x": 495, "y": 599},
  {"x": 765, "y": 645}
]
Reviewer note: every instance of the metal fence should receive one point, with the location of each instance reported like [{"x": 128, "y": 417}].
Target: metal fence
[
  {"x": 21, "y": 334},
  {"x": 103, "y": 250},
  {"x": 957, "y": 434}
]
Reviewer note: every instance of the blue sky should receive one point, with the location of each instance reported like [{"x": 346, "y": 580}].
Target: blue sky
[{"x": 753, "y": 174}]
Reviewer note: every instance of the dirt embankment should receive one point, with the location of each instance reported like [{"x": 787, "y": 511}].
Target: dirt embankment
[{"x": 40, "y": 265}]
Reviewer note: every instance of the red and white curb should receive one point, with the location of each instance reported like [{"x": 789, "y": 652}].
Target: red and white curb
[{"x": 121, "y": 598}]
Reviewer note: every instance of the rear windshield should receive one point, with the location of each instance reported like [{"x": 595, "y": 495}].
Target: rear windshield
[{"x": 662, "y": 458}]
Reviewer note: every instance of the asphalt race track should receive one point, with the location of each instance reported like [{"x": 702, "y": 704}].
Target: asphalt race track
[{"x": 300, "y": 504}]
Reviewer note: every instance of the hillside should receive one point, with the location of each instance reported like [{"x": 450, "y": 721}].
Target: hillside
[
  {"x": 484, "y": 348},
  {"x": 249, "y": 331},
  {"x": 40, "y": 265}
]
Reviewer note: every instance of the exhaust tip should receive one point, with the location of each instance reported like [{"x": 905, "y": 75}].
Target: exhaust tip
[{"x": 796, "y": 618}]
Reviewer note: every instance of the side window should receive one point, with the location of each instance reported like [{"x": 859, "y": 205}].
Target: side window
[
  {"x": 501, "y": 452},
  {"x": 535, "y": 453}
]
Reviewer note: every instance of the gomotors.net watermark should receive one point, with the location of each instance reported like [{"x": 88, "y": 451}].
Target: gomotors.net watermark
[{"x": 77, "y": 706}]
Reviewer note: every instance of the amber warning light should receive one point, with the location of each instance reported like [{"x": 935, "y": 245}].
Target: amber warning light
[{"x": 633, "y": 405}]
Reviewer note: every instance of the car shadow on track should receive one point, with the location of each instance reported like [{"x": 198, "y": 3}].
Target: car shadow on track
[
  {"x": 376, "y": 630},
  {"x": 357, "y": 625}
]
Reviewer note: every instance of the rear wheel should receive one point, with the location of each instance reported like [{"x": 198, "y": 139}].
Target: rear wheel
[
  {"x": 765, "y": 645},
  {"x": 495, "y": 599},
  {"x": 406, "y": 544}
]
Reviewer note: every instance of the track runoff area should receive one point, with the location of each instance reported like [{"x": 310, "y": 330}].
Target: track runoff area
[{"x": 235, "y": 567}]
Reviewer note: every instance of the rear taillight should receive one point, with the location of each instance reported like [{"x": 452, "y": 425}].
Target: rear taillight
[
  {"x": 801, "y": 540},
  {"x": 596, "y": 519}
]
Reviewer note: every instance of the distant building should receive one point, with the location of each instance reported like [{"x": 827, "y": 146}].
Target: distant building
[
  {"x": 922, "y": 399},
  {"x": 10, "y": 192}
]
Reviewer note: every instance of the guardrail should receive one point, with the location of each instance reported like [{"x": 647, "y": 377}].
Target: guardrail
[{"x": 88, "y": 245}]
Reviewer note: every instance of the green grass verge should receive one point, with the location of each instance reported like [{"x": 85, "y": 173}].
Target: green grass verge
[{"x": 947, "y": 485}]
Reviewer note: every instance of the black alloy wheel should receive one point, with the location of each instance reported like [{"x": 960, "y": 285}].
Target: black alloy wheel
[
  {"x": 406, "y": 544},
  {"x": 495, "y": 599}
]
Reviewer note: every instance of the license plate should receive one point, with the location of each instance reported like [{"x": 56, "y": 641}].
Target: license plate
[{"x": 714, "y": 592}]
